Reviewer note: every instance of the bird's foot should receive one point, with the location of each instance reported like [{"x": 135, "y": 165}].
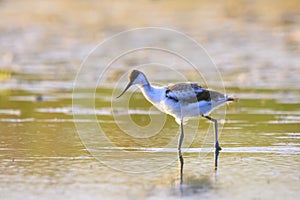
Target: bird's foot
[{"x": 218, "y": 148}]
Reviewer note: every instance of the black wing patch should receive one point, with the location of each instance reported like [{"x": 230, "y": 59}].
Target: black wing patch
[{"x": 204, "y": 95}]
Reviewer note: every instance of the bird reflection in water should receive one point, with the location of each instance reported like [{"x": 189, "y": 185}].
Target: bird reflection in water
[{"x": 194, "y": 185}]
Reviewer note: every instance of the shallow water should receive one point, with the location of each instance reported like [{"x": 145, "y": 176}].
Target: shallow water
[
  {"x": 42, "y": 156},
  {"x": 60, "y": 143}
]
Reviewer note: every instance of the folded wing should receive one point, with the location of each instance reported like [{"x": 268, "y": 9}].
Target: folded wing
[{"x": 190, "y": 92}]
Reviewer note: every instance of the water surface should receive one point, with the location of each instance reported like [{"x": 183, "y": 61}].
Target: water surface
[{"x": 43, "y": 136}]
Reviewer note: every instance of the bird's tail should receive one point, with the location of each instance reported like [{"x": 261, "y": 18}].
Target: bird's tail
[{"x": 234, "y": 99}]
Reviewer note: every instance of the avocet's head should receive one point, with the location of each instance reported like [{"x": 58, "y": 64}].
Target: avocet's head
[{"x": 135, "y": 77}]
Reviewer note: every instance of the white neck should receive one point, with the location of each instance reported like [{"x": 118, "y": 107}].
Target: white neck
[{"x": 154, "y": 94}]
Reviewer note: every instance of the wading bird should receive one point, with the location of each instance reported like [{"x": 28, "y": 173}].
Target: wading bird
[{"x": 182, "y": 101}]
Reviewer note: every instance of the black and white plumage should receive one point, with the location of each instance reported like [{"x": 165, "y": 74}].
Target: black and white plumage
[{"x": 181, "y": 100}]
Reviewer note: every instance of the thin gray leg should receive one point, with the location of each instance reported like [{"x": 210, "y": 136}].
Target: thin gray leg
[
  {"x": 216, "y": 159},
  {"x": 181, "y": 137},
  {"x": 217, "y": 146},
  {"x": 180, "y": 155},
  {"x": 181, "y": 169}
]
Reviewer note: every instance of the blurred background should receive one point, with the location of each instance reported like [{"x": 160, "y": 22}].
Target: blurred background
[
  {"x": 255, "y": 44},
  {"x": 251, "y": 42}
]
